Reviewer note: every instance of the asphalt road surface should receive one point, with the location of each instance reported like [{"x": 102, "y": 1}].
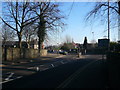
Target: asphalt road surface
[
  {"x": 17, "y": 70},
  {"x": 89, "y": 72}
]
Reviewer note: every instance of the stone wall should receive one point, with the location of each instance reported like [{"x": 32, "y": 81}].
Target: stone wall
[
  {"x": 0, "y": 54},
  {"x": 30, "y": 53},
  {"x": 14, "y": 53},
  {"x": 43, "y": 52}
]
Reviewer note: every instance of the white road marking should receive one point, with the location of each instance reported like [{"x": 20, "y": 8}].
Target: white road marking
[
  {"x": 6, "y": 81},
  {"x": 62, "y": 62},
  {"x": 11, "y": 79},
  {"x": 9, "y": 76},
  {"x": 59, "y": 56},
  {"x": 30, "y": 67},
  {"x": 41, "y": 65},
  {"x": 52, "y": 65},
  {"x": 37, "y": 68},
  {"x": 19, "y": 77},
  {"x": 34, "y": 67}
]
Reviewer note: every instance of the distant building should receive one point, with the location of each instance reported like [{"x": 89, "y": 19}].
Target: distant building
[
  {"x": 118, "y": 42},
  {"x": 32, "y": 44},
  {"x": 77, "y": 45},
  {"x": 91, "y": 45},
  {"x": 10, "y": 44}
]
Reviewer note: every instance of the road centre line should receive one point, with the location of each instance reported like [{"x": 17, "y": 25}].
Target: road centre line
[{"x": 74, "y": 75}]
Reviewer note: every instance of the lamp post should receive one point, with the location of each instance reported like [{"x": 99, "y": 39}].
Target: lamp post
[
  {"x": 119, "y": 22},
  {"x": 93, "y": 39},
  {"x": 108, "y": 27},
  {"x": 57, "y": 48}
]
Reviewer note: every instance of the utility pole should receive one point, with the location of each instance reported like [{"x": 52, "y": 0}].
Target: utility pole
[
  {"x": 108, "y": 27},
  {"x": 93, "y": 39},
  {"x": 93, "y": 35},
  {"x": 119, "y": 21}
]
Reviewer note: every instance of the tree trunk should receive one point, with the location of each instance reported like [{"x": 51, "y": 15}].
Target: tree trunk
[
  {"x": 39, "y": 45},
  {"x": 119, "y": 21},
  {"x": 20, "y": 43},
  {"x": 28, "y": 44},
  {"x": 41, "y": 33}
]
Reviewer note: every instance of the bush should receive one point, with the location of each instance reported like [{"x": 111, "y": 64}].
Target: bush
[{"x": 113, "y": 63}]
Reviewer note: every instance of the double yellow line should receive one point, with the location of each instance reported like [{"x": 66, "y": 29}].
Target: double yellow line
[{"x": 74, "y": 75}]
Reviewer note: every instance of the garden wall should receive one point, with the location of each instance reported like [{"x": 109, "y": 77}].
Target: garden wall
[{"x": 16, "y": 53}]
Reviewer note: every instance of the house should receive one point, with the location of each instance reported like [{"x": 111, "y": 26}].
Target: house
[
  {"x": 34, "y": 44},
  {"x": 92, "y": 45},
  {"x": 10, "y": 44},
  {"x": 15, "y": 44}
]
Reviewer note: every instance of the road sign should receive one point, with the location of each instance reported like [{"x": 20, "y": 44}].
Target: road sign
[{"x": 103, "y": 43}]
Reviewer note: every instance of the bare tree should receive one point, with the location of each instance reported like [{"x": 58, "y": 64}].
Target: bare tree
[
  {"x": 100, "y": 11},
  {"x": 21, "y": 14},
  {"x": 49, "y": 17},
  {"x": 7, "y": 34},
  {"x": 68, "y": 39},
  {"x": 17, "y": 15},
  {"x": 118, "y": 7},
  {"x": 29, "y": 33}
]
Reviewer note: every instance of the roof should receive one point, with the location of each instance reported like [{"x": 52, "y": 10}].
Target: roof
[{"x": 17, "y": 42}]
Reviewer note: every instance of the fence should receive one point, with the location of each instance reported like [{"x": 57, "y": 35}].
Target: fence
[{"x": 16, "y": 53}]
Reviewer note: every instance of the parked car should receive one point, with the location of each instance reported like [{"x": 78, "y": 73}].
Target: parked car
[
  {"x": 50, "y": 51},
  {"x": 63, "y": 52}
]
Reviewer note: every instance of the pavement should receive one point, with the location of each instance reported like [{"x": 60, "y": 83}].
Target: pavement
[
  {"x": 89, "y": 72},
  {"x": 18, "y": 61}
]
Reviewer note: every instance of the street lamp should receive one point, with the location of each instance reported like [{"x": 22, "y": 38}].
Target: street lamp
[
  {"x": 108, "y": 27},
  {"x": 93, "y": 39}
]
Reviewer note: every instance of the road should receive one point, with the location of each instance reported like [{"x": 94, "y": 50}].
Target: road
[
  {"x": 85, "y": 72},
  {"x": 12, "y": 71}
]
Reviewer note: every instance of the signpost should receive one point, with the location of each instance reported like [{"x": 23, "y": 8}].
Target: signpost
[{"x": 104, "y": 45}]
